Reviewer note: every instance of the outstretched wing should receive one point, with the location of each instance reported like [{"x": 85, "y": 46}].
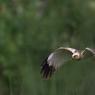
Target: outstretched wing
[
  {"x": 55, "y": 60},
  {"x": 88, "y": 52}
]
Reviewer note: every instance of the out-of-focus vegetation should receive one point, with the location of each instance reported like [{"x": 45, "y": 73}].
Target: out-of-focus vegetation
[{"x": 30, "y": 30}]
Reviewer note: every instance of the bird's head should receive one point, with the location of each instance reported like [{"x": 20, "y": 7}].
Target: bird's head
[{"x": 76, "y": 55}]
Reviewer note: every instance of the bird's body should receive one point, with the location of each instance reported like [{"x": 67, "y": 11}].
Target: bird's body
[{"x": 60, "y": 56}]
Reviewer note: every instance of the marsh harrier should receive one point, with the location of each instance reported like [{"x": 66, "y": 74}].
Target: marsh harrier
[{"x": 61, "y": 56}]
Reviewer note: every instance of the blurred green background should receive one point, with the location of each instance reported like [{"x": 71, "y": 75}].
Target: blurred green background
[{"x": 30, "y": 30}]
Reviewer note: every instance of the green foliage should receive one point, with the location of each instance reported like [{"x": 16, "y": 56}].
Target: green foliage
[{"x": 30, "y": 30}]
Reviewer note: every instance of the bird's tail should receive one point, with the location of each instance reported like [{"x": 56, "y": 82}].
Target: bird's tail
[{"x": 47, "y": 70}]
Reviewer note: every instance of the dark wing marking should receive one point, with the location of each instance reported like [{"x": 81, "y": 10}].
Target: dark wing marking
[
  {"x": 55, "y": 60},
  {"x": 88, "y": 52},
  {"x": 46, "y": 70}
]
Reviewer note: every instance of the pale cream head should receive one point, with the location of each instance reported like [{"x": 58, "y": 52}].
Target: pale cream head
[{"x": 76, "y": 55}]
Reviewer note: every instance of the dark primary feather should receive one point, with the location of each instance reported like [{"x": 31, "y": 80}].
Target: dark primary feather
[
  {"x": 53, "y": 62},
  {"x": 46, "y": 70},
  {"x": 88, "y": 53}
]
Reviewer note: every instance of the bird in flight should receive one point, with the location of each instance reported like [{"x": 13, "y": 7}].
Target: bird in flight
[{"x": 62, "y": 55}]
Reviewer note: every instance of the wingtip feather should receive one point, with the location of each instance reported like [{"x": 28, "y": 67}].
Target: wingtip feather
[{"x": 47, "y": 70}]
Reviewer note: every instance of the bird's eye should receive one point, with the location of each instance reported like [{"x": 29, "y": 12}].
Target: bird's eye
[{"x": 75, "y": 56}]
